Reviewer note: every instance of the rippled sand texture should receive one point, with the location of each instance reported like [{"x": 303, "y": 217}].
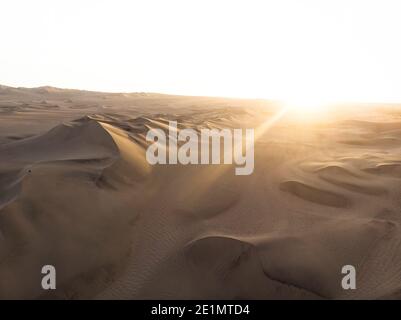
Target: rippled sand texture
[{"x": 77, "y": 192}]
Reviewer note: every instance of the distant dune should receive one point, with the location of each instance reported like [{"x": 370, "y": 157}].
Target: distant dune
[{"x": 77, "y": 192}]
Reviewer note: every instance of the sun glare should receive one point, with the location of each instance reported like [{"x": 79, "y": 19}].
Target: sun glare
[
  {"x": 306, "y": 106},
  {"x": 307, "y": 110}
]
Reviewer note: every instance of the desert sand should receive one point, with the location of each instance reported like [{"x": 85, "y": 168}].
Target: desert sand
[{"x": 77, "y": 192}]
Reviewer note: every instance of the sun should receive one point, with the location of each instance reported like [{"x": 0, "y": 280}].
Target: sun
[
  {"x": 307, "y": 109},
  {"x": 306, "y": 105}
]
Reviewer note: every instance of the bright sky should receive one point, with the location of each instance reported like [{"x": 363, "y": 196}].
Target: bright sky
[{"x": 280, "y": 49}]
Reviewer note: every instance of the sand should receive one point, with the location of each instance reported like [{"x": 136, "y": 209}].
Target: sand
[{"x": 77, "y": 192}]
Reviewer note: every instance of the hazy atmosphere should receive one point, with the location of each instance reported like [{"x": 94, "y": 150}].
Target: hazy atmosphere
[{"x": 288, "y": 49}]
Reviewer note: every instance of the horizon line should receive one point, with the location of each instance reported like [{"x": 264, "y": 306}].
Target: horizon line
[{"x": 272, "y": 100}]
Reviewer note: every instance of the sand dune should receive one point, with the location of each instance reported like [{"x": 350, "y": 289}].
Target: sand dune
[
  {"x": 313, "y": 194},
  {"x": 77, "y": 192}
]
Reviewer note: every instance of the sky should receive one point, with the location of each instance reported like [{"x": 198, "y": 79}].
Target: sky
[{"x": 301, "y": 50}]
